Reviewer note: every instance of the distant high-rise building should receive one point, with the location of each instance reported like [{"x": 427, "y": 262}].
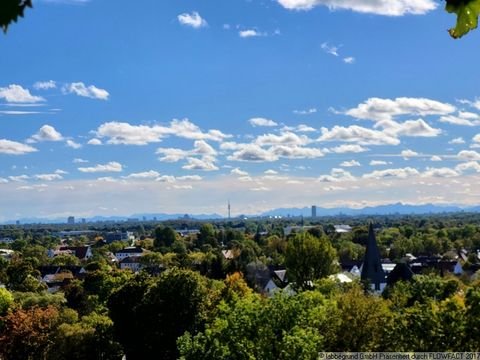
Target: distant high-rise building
[
  {"x": 84, "y": 221},
  {"x": 17, "y": 222},
  {"x": 314, "y": 211},
  {"x": 144, "y": 218},
  {"x": 71, "y": 220},
  {"x": 229, "y": 209}
]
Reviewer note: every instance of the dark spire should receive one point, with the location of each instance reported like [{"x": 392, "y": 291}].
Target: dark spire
[{"x": 372, "y": 266}]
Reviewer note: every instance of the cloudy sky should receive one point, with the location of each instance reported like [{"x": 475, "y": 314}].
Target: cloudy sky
[{"x": 109, "y": 108}]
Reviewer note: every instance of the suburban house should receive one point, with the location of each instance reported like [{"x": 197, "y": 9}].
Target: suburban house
[
  {"x": 131, "y": 262},
  {"x": 131, "y": 251},
  {"x": 81, "y": 252}
]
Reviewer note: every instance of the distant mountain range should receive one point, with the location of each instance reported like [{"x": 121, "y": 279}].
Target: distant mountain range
[{"x": 389, "y": 209}]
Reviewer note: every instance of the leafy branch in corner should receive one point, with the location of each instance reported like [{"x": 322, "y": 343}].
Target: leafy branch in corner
[
  {"x": 467, "y": 16},
  {"x": 11, "y": 10}
]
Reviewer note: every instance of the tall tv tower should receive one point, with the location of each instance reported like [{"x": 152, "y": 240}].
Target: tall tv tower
[{"x": 228, "y": 209}]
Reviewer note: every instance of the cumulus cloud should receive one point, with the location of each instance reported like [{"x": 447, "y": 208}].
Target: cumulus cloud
[
  {"x": 440, "y": 172},
  {"x": 378, "y": 7},
  {"x": 348, "y": 148},
  {"x": 262, "y": 122},
  {"x": 112, "y": 166},
  {"x": 238, "y": 172},
  {"x": 349, "y": 60},
  {"x": 15, "y": 148},
  {"x": 203, "y": 164},
  {"x": 252, "y": 152},
  {"x": 16, "y": 94},
  {"x": 350, "y": 163},
  {"x": 468, "y": 155},
  {"x": 124, "y": 133},
  {"x": 285, "y": 138},
  {"x": 94, "y": 142},
  {"x": 378, "y": 163},
  {"x": 19, "y": 178},
  {"x": 337, "y": 175},
  {"x": 48, "y": 177},
  {"x": 152, "y": 174},
  {"x": 457, "y": 141},
  {"x": 72, "y": 144},
  {"x": 305, "y": 112},
  {"x": 91, "y": 91},
  {"x": 378, "y": 109},
  {"x": 45, "y": 85},
  {"x": 192, "y": 19},
  {"x": 401, "y": 173},
  {"x": 358, "y": 134},
  {"x": 250, "y": 33},
  {"x": 435, "y": 158},
  {"x": 46, "y": 133},
  {"x": 406, "y": 154},
  {"x": 414, "y": 128}
]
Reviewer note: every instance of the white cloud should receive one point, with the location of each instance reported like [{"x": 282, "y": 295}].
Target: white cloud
[
  {"x": 127, "y": 134},
  {"x": 250, "y": 33},
  {"x": 358, "y": 134},
  {"x": 189, "y": 178},
  {"x": 458, "y": 140},
  {"x": 73, "y": 144},
  {"x": 61, "y": 172},
  {"x": 252, "y": 152},
  {"x": 79, "y": 161},
  {"x": 19, "y": 178},
  {"x": 378, "y": 163},
  {"x": 440, "y": 172},
  {"x": 378, "y": 109},
  {"x": 330, "y": 49},
  {"x": 476, "y": 138},
  {"x": 348, "y": 148},
  {"x": 337, "y": 175},
  {"x": 296, "y": 152},
  {"x": 152, "y": 174},
  {"x": 378, "y": 7},
  {"x": 15, "y": 148},
  {"x": 285, "y": 138},
  {"x": 182, "y": 187},
  {"x": 91, "y": 91},
  {"x": 45, "y": 85},
  {"x": 17, "y": 94},
  {"x": 458, "y": 120},
  {"x": 414, "y": 128},
  {"x": 401, "y": 173},
  {"x": 270, "y": 172},
  {"x": 305, "y": 112},
  {"x": 238, "y": 172},
  {"x": 349, "y": 60},
  {"x": 262, "y": 122},
  {"x": 94, "y": 142},
  {"x": 48, "y": 177},
  {"x": 46, "y": 133},
  {"x": 350, "y": 163},
  {"x": 470, "y": 165},
  {"x": 112, "y": 166},
  {"x": 435, "y": 158},
  {"x": 203, "y": 164},
  {"x": 192, "y": 19},
  {"x": 468, "y": 155},
  {"x": 406, "y": 154}
]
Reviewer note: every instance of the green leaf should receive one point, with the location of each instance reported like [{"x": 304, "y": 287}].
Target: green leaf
[{"x": 467, "y": 16}]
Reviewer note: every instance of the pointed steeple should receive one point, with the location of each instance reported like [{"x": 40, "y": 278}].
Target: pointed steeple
[{"x": 372, "y": 266}]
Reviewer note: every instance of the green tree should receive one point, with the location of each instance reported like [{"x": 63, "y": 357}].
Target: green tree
[
  {"x": 164, "y": 237},
  {"x": 309, "y": 258},
  {"x": 6, "y": 301}
]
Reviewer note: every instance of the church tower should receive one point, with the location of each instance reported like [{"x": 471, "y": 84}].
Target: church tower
[{"x": 372, "y": 270}]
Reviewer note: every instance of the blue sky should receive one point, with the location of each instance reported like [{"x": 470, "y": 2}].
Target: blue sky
[{"x": 109, "y": 108}]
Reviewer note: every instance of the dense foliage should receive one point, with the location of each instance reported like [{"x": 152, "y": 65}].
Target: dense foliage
[{"x": 203, "y": 295}]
